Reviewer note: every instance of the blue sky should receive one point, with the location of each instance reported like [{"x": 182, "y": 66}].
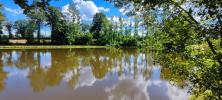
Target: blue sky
[{"x": 13, "y": 12}]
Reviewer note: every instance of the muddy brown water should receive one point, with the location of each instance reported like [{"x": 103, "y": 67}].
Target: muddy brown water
[{"x": 84, "y": 74}]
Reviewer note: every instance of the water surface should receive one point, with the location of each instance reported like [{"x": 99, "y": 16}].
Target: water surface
[{"x": 84, "y": 74}]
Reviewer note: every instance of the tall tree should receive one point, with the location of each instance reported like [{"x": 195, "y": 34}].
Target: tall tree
[
  {"x": 121, "y": 25},
  {"x": 58, "y": 26},
  {"x": 37, "y": 11},
  {"x": 25, "y": 28},
  {"x": 136, "y": 25},
  {"x": 99, "y": 20},
  {"x": 9, "y": 28},
  {"x": 20, "y": 26}
]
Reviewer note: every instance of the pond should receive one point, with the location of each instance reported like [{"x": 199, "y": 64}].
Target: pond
[{"x": 85, "y": 74}]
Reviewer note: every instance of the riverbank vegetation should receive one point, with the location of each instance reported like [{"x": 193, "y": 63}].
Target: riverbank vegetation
[
  {"x": 187, "y": 35},
  {"x": 49, "y": 46},
  {"x": 68, "y": 31}
]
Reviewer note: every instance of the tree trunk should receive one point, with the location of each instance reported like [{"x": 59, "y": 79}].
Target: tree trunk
[
  {"x": 214, "y": 51},
  {"x": 39, "y": 31},
  {"x": 221, "y": 39},
  {"x": 10, "y": 33},
  {"x": 9, "y": 28}
]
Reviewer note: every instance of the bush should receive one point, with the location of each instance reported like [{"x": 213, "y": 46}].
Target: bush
[
  {"x": 83, "y": 39},
  {"x": 129, "y": 41},
  {"x": 4, "y": 39}
]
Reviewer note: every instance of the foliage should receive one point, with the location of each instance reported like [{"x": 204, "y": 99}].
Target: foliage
[
  {"x": 176, "y": 34},
  {"x": 101, "y": 29},
  {"x": 73, "y": 32},
  {"x": 25, "y": 28},
  {"x": 190, "y": 38},
  {"x": 1, "y": 18},
  {"x": 59, "y": 26},
  {"x": 180, "y": 29},
  {"x": 75, "y": 37},
  {"x": 129, "y": 41},
  {"x": 1, "y": 15},
  {"x": 84, "y": 39}
]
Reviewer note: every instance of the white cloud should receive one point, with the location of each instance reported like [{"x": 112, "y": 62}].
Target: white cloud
[
  {"x": 102, "y": 9},
  {"x": 4, "y": 30},
  {"x": 13, "y": 11},
  {"x": 87, "y": 9},
  {"x": 127, "y": 9},
  {"x": 65, "y": 9},
  {"x": 66, "y": 13}
]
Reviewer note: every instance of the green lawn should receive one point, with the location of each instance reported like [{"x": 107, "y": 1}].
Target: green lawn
[{"x": 48, "y": 46}]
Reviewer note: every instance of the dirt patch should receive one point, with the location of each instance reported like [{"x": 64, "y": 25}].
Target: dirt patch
[{"x": 18, "y": 41}]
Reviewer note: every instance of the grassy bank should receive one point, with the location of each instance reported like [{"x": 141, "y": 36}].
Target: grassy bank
[{"x": 48, "y": 47}]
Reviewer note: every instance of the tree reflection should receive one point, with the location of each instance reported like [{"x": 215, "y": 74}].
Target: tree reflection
[
  {"x": 2, "y": 74},
  {"x": 175, "y": 68},
  {"x": 37, "y": 80},
  {"x": 49, "y": 68}
]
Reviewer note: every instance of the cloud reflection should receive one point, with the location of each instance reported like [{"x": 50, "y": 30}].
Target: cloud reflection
[
  {"x": 128, "y": 75},
  {"x": 86, "y": 77},
  {"x": 140, "y": 89}
]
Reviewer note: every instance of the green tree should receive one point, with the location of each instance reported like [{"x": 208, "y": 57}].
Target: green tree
[
  {"x": 73, "y": 32},
  {"x": 37, "y": 11},
  {"x": 214, "y": 14},
  {"x": 58, "y": 26},
  {"x": 136, "y": 26},
  {"x": 84, "y": 27},
  {"x": 26, "y": 29},
  {"x": 21, "y": 26},
  {"x": 207, "y": 29},
  {"x": 100, "y": 28},
  {"x": 121, "y": 25}
]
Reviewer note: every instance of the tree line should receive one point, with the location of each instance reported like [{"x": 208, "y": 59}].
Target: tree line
[{"x": 71, "y": 31}]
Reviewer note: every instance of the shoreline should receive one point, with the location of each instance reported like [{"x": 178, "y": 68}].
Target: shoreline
[{"x": 49, "y": 46}]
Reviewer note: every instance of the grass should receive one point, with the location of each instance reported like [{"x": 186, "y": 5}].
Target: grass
[{"x": 48, "y": 46}]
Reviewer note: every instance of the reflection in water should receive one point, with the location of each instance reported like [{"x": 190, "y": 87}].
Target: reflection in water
[
  {"x": 2, "y": 73},
  {"x": 95, "y": 74}
]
